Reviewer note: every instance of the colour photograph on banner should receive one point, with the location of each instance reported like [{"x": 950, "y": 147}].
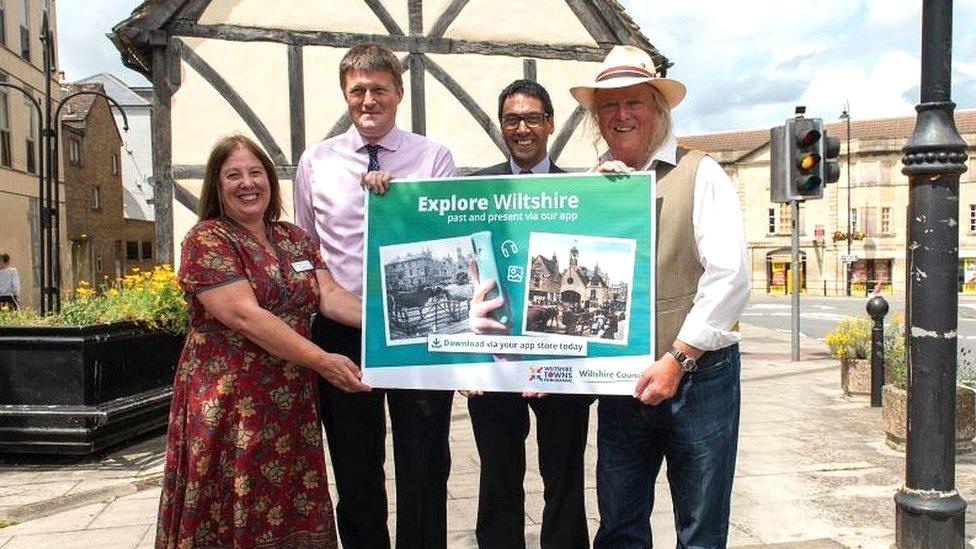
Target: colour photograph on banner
[{"x": 571, "y": 255}]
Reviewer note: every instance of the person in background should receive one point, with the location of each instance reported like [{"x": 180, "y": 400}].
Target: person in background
[
  {"x": 245, "y": 463},
  {"x": 9, "y": 284}
]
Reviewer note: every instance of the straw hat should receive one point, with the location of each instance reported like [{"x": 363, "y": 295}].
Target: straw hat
[{"x": 628, "y": 66}]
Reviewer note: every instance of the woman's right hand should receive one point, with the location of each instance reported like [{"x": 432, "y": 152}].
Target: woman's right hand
[{"x": 343, "y": 373}]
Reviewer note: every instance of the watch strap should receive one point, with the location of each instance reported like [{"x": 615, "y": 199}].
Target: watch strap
[{"x": 687, "y": 363}]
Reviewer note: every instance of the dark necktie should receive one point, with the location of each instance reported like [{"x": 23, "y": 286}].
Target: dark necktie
[
  {"x": 374, "y": 160},
  {"x": 524, "y": 172}
]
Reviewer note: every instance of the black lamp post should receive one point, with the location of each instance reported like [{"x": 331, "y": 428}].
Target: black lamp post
[
  {"x": 846, "y": 116},
  {"x": 929, "y": 510},
  {"x": 48, "y": 189}
]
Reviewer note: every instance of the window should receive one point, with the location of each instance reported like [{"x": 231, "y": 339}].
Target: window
[
  {"x": 115, "y": 164},
  {"x": 885, "y": 220},
  {"x": 771, "y": 221},
  {"x": 98, "y": 264},
  {"x": 147, "y": 250},
  {"x": 96, "y": 198},
  {"x": 31, "y": 139},
  {"x": 853, "y": 220},
  {"x": 74, "y": 151},
  {"x": 25, "y": 36},
  {"x": 972, "y": 218},
  {"x": 5, "y": 159},
  {"x": 132, "y": 250}
]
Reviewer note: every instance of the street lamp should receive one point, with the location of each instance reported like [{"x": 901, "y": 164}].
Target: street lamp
[
  {"x": 846, "y": 116},
  {"x": 48, "y": 191},
  {"x": 929, "y": 510}
]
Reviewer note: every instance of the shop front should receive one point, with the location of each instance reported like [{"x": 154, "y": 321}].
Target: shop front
[
  {"x": 778, "y": 279},
  {"x": 870, "y": 275}
]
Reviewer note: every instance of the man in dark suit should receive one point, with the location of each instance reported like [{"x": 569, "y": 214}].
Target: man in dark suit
[{"x": 501, "y": 420}]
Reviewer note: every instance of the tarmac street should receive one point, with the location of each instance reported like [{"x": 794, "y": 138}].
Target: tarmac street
[{"x": 813, "y": 471}]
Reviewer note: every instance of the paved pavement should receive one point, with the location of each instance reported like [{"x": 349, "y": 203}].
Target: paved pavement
[{"x": 813, "y": 471}]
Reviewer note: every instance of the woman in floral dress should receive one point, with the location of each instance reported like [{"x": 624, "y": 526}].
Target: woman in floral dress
[{"x": 244, "y": 456}]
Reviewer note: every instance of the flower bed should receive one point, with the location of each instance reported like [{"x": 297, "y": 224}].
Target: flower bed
[{"x": 95, "y": 375}]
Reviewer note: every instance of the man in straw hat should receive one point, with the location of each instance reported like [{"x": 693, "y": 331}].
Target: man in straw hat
[{"x": 686, "y": 404}]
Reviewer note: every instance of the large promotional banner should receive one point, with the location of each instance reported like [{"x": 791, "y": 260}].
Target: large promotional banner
[{"x": 572, "y": 259}]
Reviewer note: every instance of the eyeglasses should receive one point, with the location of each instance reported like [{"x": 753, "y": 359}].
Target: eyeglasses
[{"x": 532, "y": 120}]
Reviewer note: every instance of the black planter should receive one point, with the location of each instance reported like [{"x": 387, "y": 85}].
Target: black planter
[{"x": 76, "y": 390}]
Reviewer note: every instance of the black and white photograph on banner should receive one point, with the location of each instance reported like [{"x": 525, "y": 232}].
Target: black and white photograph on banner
[
  {"x": 579, "y": 286},
  {"x": 426, "y": 289}
]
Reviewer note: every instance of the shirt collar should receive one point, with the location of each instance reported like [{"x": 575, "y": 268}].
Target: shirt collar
[
  {"x": 390, "y": 142},
  {"x": 667, "y": 152},
  {"x": 542, "y": 167}
]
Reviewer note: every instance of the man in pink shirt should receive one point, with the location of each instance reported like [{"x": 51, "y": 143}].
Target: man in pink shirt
[{"x": 329, "y": 201}]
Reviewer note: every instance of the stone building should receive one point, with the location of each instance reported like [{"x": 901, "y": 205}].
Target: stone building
[
  {"x": 136, "y": 155},
  {"x": 421, "y": 269},
  {"x": 877, "y": 206},
  {"x": 104, "y": 245},
  {"x": 223, "y": 66},
  {"x": 22, "y": 65},
  {"x": 576, "y": 285}
]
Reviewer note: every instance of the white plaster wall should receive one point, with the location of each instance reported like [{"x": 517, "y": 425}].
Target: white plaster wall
[
  {"x": 527, "y": 21},
  {"x": 338, "y": 15},
  {"x": 136, "y": 153},
  {"x": 259, "y": 74}
]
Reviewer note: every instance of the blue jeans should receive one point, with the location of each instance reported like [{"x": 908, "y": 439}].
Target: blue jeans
[{"x": 697, "y": 431}]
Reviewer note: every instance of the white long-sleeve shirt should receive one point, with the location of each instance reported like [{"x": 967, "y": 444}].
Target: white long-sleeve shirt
[
  {"x": 723, "y": 288},
  {"x": 9, "y": 281}
]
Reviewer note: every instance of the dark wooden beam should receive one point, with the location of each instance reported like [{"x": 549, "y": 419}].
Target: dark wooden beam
[
  {"x": 418, "y": 108},
  {"x": 296, "y": 101},
  {"x": 192, "y": 10},
  {"x": 529, "y": 70},
  {"x": 444, "y": 21},
  {"x": 566, "y": 132},
  {"x": 197, "y": 171},
  {"x": 411, "y": 44},
  {"x": 384, "y": 16},
  {"x": 469, "y": 103},
  {"x": 235, "y": 101},
  {"x": 593, "y": 22},
  {"x": 415, "y": 10},
  {"x": 161, "y": 128},
  {"x": 340, "y": 126},
  {"x": 160, "y": 14},
  {"x": 189, "y": 200}
]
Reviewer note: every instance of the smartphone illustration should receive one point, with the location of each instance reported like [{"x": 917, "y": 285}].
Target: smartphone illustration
[{"x": 487, "y": 269}]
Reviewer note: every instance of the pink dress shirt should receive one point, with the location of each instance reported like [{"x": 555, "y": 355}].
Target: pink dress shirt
[{"x": 329, "y": 201}]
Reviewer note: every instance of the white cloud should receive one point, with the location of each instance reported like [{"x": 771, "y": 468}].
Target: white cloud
[{"x": 890, "y": 12}]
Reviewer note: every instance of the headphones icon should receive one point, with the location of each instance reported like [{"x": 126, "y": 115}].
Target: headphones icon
[{"x": 508, "y": 248}]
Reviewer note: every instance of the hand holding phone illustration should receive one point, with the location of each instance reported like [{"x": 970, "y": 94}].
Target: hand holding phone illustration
[{"x": 488, "y": 270}]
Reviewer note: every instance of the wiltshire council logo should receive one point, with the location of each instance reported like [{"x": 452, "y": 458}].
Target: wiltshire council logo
[{"x": 551, "y": 374}]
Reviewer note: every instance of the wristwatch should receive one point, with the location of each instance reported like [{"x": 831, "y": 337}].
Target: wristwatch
[{"x": 687, "y": 363}]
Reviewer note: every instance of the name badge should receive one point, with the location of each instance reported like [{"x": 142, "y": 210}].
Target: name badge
[{"x": 302, "y": 266}]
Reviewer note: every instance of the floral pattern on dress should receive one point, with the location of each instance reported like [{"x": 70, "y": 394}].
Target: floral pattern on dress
[{"x": 244, "y": 459}]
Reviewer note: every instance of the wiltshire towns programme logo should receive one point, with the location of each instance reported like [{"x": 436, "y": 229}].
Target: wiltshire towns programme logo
[{"x": 551, "y": 373}]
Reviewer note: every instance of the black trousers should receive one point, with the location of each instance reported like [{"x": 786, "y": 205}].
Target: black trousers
[
  {"x": 501, "y": 425},
  {"x": 9, "y": 301},
  {"x": 355, "y": 427}
]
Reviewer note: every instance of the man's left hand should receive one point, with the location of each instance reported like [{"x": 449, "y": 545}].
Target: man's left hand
[
  {"x": 659, "y": 381},
  {"x": 376, "y": 182}
]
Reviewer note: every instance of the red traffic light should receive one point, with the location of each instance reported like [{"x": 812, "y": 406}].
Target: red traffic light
[{"x": 807, "y": 138}]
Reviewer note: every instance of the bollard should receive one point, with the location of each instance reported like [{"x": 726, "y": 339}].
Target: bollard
[{"x": 877, "y": 309}]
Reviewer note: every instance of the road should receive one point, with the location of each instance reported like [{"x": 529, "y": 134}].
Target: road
[{"x": 819, "y": 315}]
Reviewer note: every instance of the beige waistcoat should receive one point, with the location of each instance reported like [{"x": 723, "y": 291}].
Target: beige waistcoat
[{"x": 677, "y": 265}]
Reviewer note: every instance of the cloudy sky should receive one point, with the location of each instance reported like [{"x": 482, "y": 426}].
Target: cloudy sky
[{"x": 746, "y": 63}]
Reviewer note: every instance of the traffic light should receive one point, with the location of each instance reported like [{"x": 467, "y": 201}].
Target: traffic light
[
  {"x": 807, "y": 157},
  {"x": 802, "y": 160}
]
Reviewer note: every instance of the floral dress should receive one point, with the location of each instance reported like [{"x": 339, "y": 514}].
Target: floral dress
[{"x": 244, "y": 458}]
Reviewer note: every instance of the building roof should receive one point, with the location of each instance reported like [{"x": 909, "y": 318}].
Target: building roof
[
  {"x": 878, "y": 128},
  {"x": 117, "y": 90},
  {"x": 133, "y": 35},
  {"x": 136, "y": 202},
  {"x": 76, "y": 110}
]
